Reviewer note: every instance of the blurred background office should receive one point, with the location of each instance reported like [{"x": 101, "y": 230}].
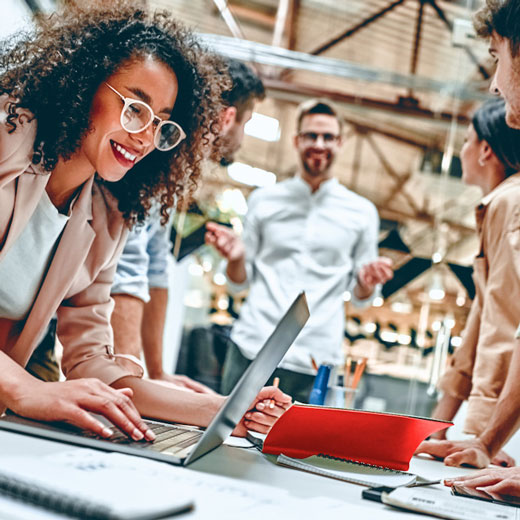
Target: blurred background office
[{"x": 407, "y": 75}]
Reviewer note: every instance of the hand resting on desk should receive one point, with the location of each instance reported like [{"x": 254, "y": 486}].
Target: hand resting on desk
[
  {"x": 497, "y": 482},
  {"x": 470, "y": 452},
  {"x": 263, "y": 412}
]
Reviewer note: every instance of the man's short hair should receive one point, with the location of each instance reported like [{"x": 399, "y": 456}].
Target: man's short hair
[
  {"x": 246, "y": 87},
  {"x": 317, "y": 106},
  {"x": 501, "y": 17}
]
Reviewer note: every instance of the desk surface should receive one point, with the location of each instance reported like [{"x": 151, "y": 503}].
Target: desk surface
[{"x": 249, "y": 466}]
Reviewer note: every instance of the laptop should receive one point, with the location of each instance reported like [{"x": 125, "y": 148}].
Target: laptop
[{"x": 176, "y": 443}]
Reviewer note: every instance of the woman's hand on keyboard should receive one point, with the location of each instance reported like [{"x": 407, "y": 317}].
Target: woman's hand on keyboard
[
  {"x": 71, "y": 401},
  {"x": 269, "y": 405}
]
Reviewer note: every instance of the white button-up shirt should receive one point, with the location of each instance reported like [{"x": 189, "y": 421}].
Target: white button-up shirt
[{"x": 298, "y": 240}]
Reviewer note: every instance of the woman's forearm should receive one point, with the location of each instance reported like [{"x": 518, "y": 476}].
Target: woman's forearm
[
  {"x": 162, "y": 401},
  {"x": 14, "y": 377}
]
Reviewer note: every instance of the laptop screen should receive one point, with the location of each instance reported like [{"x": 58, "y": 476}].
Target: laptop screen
[{"x": 254, "y": 378}]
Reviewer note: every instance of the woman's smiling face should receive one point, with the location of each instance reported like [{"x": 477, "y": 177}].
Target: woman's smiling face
[{"x": 109, "y": 149}]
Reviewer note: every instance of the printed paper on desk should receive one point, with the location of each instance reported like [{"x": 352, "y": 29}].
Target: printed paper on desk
[
  {"x": 222, "y": 497},
  {"x": 378, "y": 439},
  {"x": 439, "y": 503}
]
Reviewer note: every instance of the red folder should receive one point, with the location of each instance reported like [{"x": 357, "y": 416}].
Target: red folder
[{"x": 379, "y": 439}]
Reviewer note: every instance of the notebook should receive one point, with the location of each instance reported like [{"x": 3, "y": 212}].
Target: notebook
[
  {"x": 349, "y": 471},
  {"x": 378, "y": 439},
  {"x": 183, "y": 444},
  {"x": 91, "y": 485}
]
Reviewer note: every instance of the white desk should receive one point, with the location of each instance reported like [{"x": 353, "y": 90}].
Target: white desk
[{"x": 250, "y": 466}]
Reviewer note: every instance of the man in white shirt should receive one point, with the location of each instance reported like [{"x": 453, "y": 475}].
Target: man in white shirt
[{"x": 306, "y": 233}]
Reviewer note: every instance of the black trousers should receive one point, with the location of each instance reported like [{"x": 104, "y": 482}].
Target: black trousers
[{"x": 297, "y": 385}]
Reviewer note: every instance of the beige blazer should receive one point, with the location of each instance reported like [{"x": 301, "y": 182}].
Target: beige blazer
[
  {"x": 479, "y": 367},
  {"x": 77, "y": 284}
]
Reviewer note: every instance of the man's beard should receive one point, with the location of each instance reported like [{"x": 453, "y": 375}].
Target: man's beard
[
  {"x": 315, "y": 172},
  {"x": 229, "y": 145},
  {"x": 221, "y": 152},
  {"x": 227, "y": 158}
]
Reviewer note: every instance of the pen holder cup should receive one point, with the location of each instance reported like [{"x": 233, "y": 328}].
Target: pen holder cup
[{"x": 340, "y": 397}]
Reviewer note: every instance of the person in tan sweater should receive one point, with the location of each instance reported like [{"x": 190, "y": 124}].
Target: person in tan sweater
[{"x": 479, "y": 369}]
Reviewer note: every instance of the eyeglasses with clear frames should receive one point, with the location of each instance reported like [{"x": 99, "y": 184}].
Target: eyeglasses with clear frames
[{"x": 137, "y": 116}]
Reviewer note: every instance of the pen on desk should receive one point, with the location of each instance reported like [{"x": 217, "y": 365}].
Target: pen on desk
[
  {"x": 276, "y": 383},
  {"x": 346, "y": 381},
  {"x": 360, "y": 367},
  {"x": 314, "y": 364},
  {"x": 425, "y": 483},
  {"x": 346, "y": 376}
]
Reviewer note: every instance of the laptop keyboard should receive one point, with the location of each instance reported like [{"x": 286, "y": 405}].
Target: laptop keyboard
[{"x": 168, "y": 438}]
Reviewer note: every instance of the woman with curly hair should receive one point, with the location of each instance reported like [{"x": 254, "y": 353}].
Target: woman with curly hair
[{"x": 104, "y": 112}]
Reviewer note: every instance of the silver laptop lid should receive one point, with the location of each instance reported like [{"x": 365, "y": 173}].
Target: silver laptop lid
[{"x": 254, "y": 378}]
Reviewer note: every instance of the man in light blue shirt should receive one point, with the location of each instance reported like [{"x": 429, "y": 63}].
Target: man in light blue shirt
[
  {"x": 305, "y": 233},
  {"x": 140, "y": 288}
]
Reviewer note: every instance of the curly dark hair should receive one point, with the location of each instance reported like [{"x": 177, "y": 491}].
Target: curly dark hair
[
  {"x": 502, "y": 17},
  {"x": 55, "y": 71}
]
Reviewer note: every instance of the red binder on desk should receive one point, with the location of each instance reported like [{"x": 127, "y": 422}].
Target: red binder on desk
[{"x": 378, "y": 439}]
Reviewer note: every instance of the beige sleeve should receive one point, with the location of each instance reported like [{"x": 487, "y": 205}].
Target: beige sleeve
[
  {"x": 457, "y": 380},
  {"x": 86, "y": 334}
]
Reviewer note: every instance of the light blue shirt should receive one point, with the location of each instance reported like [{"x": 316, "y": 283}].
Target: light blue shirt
[
  {"x": 144, "y": 261},
  {"x": 298, "y": 240}
]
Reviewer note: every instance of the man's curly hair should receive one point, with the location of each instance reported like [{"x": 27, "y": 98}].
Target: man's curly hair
[
  {"x": 55, "y": 71},
  {"x": 502, "y": 17}
]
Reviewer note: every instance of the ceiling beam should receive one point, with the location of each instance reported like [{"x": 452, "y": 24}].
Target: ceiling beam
[
  {"x": 442, "y": 16},
  {"x": 292, "y": 24},
  {"x": 398, "y": 107},
  {"x": 261, "y": 53},
  {"x": 354, "y": 29},
  {"x": 246, "y": 14},
  {"x": 417, "y": 41},
  {"x": 398, "y": 187},
  {"x": 280, "y": 26},
  {"x": 229, "y": 19},
  {"x": 387, "y": 167}
]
